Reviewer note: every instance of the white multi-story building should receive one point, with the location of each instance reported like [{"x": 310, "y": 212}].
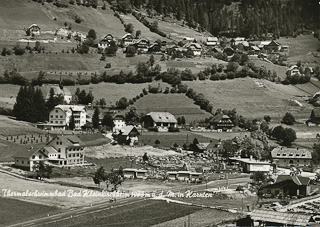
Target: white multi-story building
[
  {"x": 118, "y": 123},
  {"x": 61, "y": 115}
]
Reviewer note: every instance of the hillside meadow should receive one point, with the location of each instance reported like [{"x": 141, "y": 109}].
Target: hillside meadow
[{"x": 252, "y": 101}]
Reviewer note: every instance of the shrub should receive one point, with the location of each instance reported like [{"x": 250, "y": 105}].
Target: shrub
[{"x": 173, "y": 129}]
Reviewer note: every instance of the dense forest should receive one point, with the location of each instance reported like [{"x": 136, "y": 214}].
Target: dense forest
[{"x": 235, "y": 17}]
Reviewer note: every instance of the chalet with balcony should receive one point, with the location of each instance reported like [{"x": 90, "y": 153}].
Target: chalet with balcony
[
  {"x": 160, "y": 120},
  {"x": 33, "y": 30},
  {"x": 142, "y": 45},
  {"x": 287, "y": 157},
  {"x": 221, "y": 122},
  {"x": 127, "y": 39},
  {"x": 105, "y": 41},
  {"x": 128, "y": 135}
]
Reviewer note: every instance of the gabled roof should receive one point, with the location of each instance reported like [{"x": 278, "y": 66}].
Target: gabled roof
[
  {"x": 281, "y": 217},
  {"x": 255, "y": 48},
  {"x": 193, "y": 45},
  {"x": 75, "y": 108},
  {"x": 27, "y": 153},
  {"x": 118, "y": 117},
  {"x": 293, "y": 67},
  {"x": 58, "y": 91},
  {"x": 50, "y": 150},
  {"x": 202, "y": 146},
  {"x": 292, "y": 153},
  {"x": 298, "y": 180},
  {"x": 126, "y": 130},
  {"x": 33, "y": 25},
  {"x": 219, "y": 117},
  {"x": 265, "y": 43},
  {"x": 126, "y": 35},
  {"x": 162, "y": 117},
  {"x": 239, "y": 39},
  {"x": 67, "y": 140},
  {"x": 275, "y": 43}
]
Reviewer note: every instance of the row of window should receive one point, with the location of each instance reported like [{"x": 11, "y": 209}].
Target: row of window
[
  {"x": 57, "y": 122},
  {"x": 74, "y": 149},
  {"x": 74, "y": 155},
  {"x": 291, "y": 154},
  {"x": 22, "y": 162}
]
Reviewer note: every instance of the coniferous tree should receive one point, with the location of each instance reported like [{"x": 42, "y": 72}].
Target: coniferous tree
[
  {"x": 72, "y": 124},
  {"x": 95, "y": 118}
]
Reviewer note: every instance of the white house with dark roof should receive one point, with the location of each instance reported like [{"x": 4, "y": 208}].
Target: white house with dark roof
[
  {"x": 118, "y": 123},
  {"x": 33, "y": 29},
  {"x": 63, "y": 91},
  {"x": 60, "y": 116},
  {"x": 212, "y": 41},
  {"x": 62, "y": 150},
  {"x": 196, "y": 48},
  {"x": 160, "y": 120},
  {"x": 105, "y": 41},
  {"x": 283, "y": 156},
  {"x": 127, "y": 39}
]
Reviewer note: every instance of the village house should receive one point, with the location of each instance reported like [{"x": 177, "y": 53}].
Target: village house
[
  {"x": 221, "y": 122},
  {"x": 286, "y": 185},
  {"x": 62, "y": 150},
  {"x": 196, "y": 48},
  {"x": 212, "y": 41},
  {"x": 254, "y": 50},
  {"x": 142, "y": 45},
  {"x": 214, "y": 149},
  {"x": 160, "y": 120},
  {"x": 271, "y": 46},
  {"x": 135, "y": 173},
  {"x": 294, "y": 69},
  {"x": 60, "y": 116},
  {"x": 60, "y": 91},
  {"x": 154, "y": 47},
  {"x": 128, "y": 135},
  {"x": 172, "y": 175},
  {"x": 105, "y": 41},
  {"x": 315, "y": 117},
  {"x": 33, "y": 29},
  {"x": 236, "y": 41},
  {"x": 118, "y": 123},
  {"x": 127, "y": 39},
  {"x": 189, "y": 39},
  {"x": 287, "y": 157}
]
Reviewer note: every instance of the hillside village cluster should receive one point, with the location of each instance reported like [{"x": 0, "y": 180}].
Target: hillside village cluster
[{"x": 286, "y": 175}]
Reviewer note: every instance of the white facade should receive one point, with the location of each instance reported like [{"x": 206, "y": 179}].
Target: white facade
[
  {"x": 61, "y": 115},
  {"x": 118, "y": 124}
]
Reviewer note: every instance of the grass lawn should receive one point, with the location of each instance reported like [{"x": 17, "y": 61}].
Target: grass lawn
[
  {"x": 176, "y": 104},
  {"x": 15, "y": 211},
  {"x": 250, "y": 100},
  {"x": 144, "y": 213},
  {"x": 169, "y": 139}
]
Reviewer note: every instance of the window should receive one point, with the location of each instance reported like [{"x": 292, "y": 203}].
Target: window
[
  {"x": 77, "y": 154},
  {"x": 290, "y": 154},
  {"x": 56, "y": 122},
  {"x": 69, "y": 155},
  {"x": 40, "y": 156},
  {"x": 74, "y": 155},
  {"x": 297, "y": 155},
  {"x": 57, "y": 116},
  {"x": 278, "y": 154},
  {"x": 33, "y": 156},
  {"x": 284, "y": 154},
  {"x": 28, "y": 162},
  {"x": 56, "y": 111},
  {"x": 22, "y": 162},
  {"x": 61, "y": 116},
  {"x": 51, "y": 116},
  {"x": 60, "y": 122},
  {"x": 52, "y": 122},
  {"x": 17, "y": 160},
  {"x": 57, "y": 142}
]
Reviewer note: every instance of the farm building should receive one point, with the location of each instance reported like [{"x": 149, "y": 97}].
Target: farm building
[
  {"x": 215, "y": 148},
  {"x": 196, "y": 48},
  {"x": 221, "y": 122},
  {"x": 127, "y": 39},
  {"x": 142, "y": 45},
  {"x": 172, "y": 175},
  {"x": 289, "y": 185},
  {"x": 60, "y": 91},
  {"x": 315, "y": 116},
  {"x": 249, "y": 165},
  {"x": 105, "y": 41},
  {"x": 59, "y": 117},
  {"x": 260, "y": 217},
  {"x": 294, "y": 69},
  {"x": 212, "y": 41},
  {"x": 237, "y": 40},
  {"x": 33, "y": 29},
  {"x": 154, "y": 47},
  {"x": 283, "y": 156},
  {"x": 160, "y": 120},
  {"x": 272, "y": 46},
  {"x": 118, "y": 123},
  {"x": 60, "y": 151},
  {"x": 128, "y": 135}
]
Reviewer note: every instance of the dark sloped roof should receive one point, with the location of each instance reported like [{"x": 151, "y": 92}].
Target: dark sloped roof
[
  {"x": 218, "y": 118},
  {"x": 281, "y": 217},
  {"x": 298, "y": 180},
  {"x": 28, "y": 152},
  {"x": 292, "y": 153},
  {"x": 126, "y": 130},
  {"x": 316, "y": 112}
]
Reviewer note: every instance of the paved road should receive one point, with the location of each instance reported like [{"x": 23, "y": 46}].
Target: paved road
[{"x": 106, "y": 205}]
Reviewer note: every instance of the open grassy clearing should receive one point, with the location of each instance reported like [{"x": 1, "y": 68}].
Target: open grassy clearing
[
  {"x": 310, "y": 88},
  {"x": 280, "y": 70},
  {"x": 169, "y": 139},
  {"x": 177, "y": 104},
  {"x": 15, "y": 211},
  {"x": 12, "y": 25},
  {"x": 141, "y": 214},
  {"x": 252, "y": 101},
  {"x": 21, "y": 185}
]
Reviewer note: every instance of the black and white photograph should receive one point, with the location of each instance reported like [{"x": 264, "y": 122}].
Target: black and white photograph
[{"x": 159, "y": 113}]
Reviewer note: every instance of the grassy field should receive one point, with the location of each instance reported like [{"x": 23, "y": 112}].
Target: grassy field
[
  {"x": 169, "y": 139},
  {"x": 252, "y": 101},
  {"x": 177, "y": 104},
  {"x": 141, "y": 214},
  {"x": 15, "y": 211}
]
